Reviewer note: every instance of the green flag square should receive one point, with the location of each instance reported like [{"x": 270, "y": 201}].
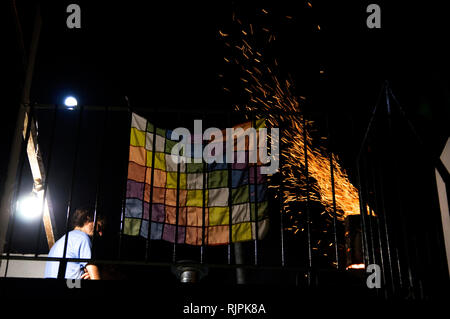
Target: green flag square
[
  {"x": 218, "y": 179},
  {"x": 263, "y": 210},
  {"x": 240, "y": 195},
  {"x": 131, "y": 226},
  {"x": 194, "y": 167}
]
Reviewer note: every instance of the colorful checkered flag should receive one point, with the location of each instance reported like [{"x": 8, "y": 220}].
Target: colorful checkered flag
[{"x": 192, "y": 197}]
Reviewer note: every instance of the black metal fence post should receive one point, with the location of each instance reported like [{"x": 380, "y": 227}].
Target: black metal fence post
[
  {"x": 150, "y": 204},
  {"x": 204, "y": 181},
  {"x": 281, "y": 200},
  {"x": 177, "y": 214},
  {"x": 63, "y": 264},
  {"x": 100, "y": 170},
  {"x": 376, "y": 208},
  {"x": 398, "y": 197},
  {"x": 308, "y": 213},
  {"x": 125, "y": 182},
  {"x": 255, "y": 189},
  {"x": 333, "y": 192},
  {"x": 230, "y": 198},
  {"x": 367, "y": 206}
]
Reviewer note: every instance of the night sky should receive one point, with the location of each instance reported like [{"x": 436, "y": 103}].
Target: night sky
[{"x": 169, "y": 55}]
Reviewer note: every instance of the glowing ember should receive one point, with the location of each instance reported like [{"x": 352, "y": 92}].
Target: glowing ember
[
  {"x": 272, "y": 99},
  {"x": 356, "y": 266}
]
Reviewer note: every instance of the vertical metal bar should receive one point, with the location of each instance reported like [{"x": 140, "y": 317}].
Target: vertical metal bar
[
  {"x": 230, "y": 199},
  {"x": 239, "y": 259},
  {"x": 371, "y": 247},
  {"x": 238, "y": 246},
  {"x": 357, "y": 156},
  {"x": 380, "y": 242},
  {"x": 281, "y": 202},
  {"x": 143, "y": 191},
  {"x": 255, "y": 188},
  {"x": 100, "y": 170},
  {"x": 230, "y": 215},
  {"x": 63, "y": 264},
  {"x": 204, "y": 168},
  {"x": 399, "y": 267},
  {"x": 13, "y": 209},
  {"x": 47, "y": 170},
  {"x": 405, "y": 240},
  {"x": 358, "y": 180},
  {"x": 395, "y": 248},
  {"x": 358, "y": 177},
  {"x": 391, "y": 246},
  {"x": 385, "y": 225},
  {"x": 376, "y": 208},
  {"x": 124, "y": 194},
  {"x": 333, "y": 192},
  {"x": 363, "y": 215},
  {"x": 425, "y": 149},
  {"x": 336, "y": 253},
  {"x": 177, "y": 212},
  {"x": 308, "y": 216},
  {"x": 150, "y": 204},
  {"x": 202, "y": 248},
  {"x": 368, "y": 210}
]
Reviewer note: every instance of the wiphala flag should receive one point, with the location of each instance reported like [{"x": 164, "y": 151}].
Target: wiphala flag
[{"x": 195, "y": 201}]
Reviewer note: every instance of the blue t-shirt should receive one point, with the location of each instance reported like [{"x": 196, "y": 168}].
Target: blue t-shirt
[{"x": 78, "y": 246}]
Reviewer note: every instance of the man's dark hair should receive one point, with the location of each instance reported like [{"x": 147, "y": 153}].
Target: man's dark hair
[{"x": 82, "y": 216}]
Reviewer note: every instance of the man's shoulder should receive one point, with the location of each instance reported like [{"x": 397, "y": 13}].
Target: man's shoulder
[{"x": 78, "y": 235}]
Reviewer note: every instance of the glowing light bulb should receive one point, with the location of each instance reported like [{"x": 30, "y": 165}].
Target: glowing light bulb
[
  {"x": 70, "y": 102},
  {"x": 29, "y": 207}
]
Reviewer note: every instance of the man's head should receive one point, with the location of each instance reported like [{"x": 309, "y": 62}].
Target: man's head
[{"x": 83, "y": 219}]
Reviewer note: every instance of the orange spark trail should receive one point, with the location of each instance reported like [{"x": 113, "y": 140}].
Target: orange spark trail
[{"x": 272, "y": 98}]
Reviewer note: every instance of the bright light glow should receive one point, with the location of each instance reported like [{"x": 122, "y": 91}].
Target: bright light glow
[
  {"x": 29, "y": 207},
  {"x": 356, "y": 266},
  {"x": 70, "y": 102}
]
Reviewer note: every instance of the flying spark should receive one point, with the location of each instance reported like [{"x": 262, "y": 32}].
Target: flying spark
[{"x": 271, "y": 97}]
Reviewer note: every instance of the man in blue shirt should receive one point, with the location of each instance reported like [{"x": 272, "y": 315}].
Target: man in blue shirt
[{"x": 78, "y": 246}]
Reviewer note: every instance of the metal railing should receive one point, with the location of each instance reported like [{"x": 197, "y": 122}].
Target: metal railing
[{"x": 382, "y": 229}]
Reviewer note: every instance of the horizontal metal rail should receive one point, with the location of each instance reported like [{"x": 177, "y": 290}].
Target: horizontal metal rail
[
  {"x": 163, "y": 264},
  {"x": 213, "y": 109}
]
